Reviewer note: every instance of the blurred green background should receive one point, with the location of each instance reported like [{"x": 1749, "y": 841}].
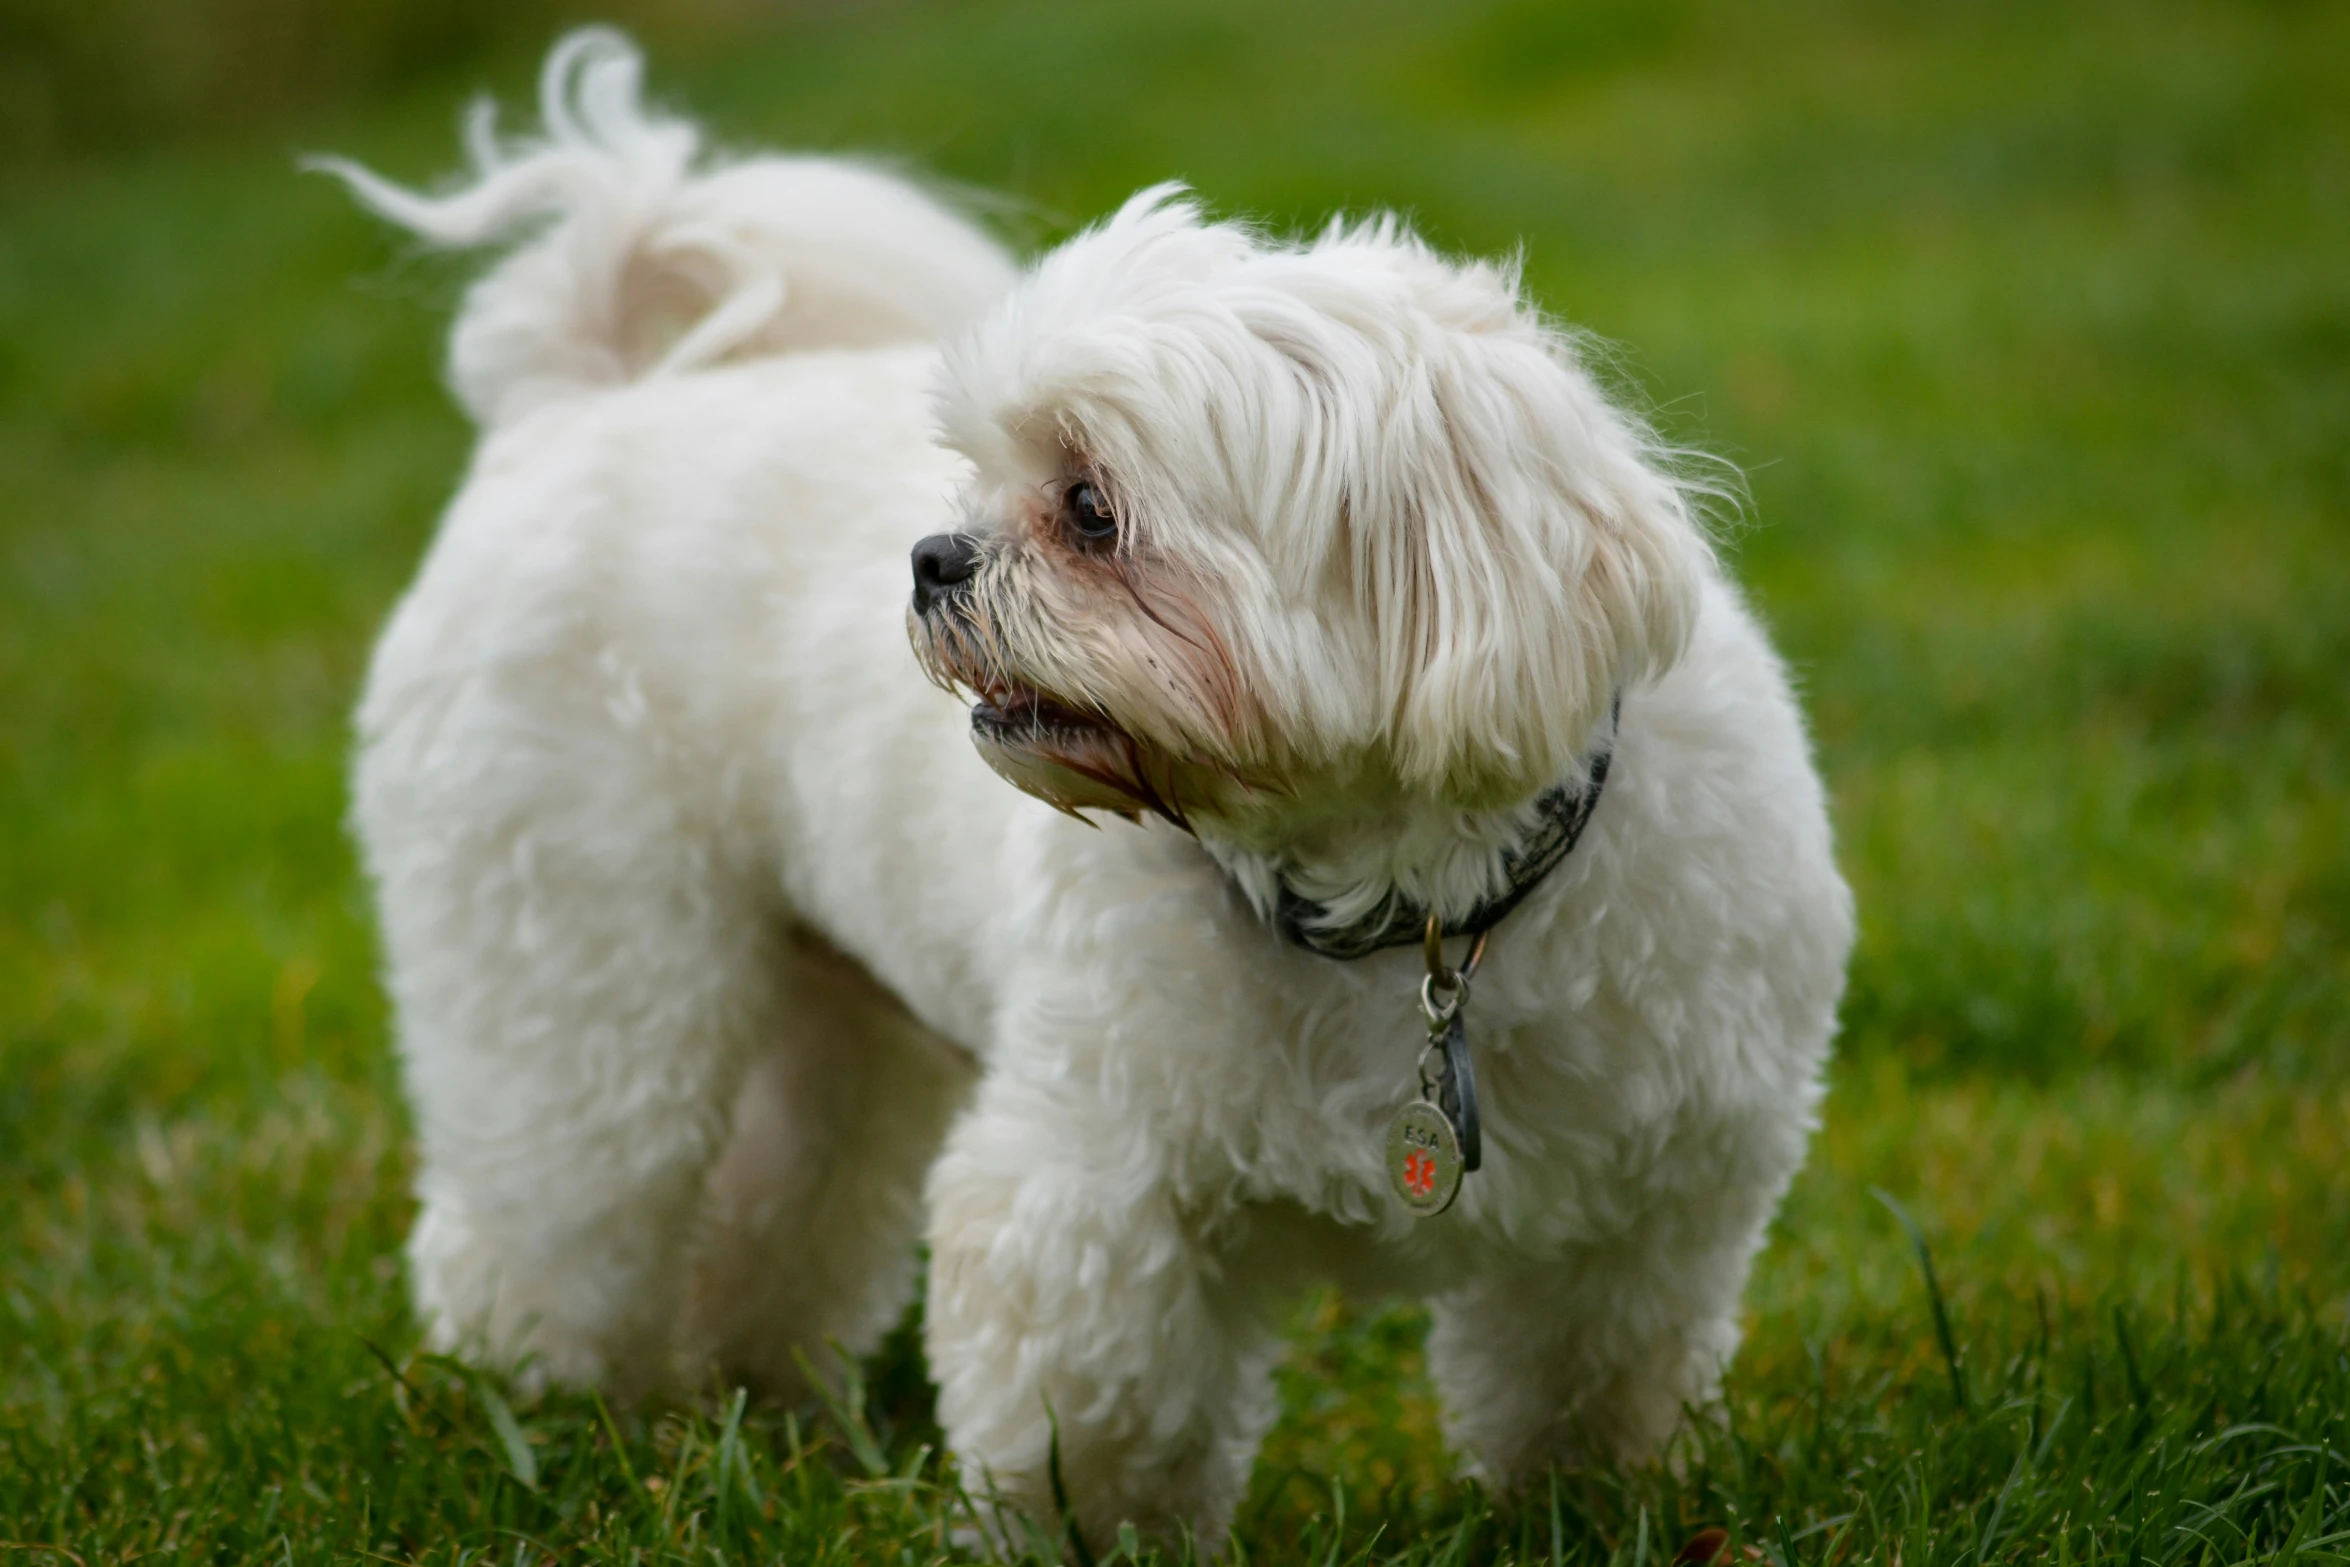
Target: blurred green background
[{"x": 2029, "y": 325}]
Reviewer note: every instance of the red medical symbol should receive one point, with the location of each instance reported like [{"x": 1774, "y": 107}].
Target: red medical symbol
[{"x": 1419, "y": 1172}]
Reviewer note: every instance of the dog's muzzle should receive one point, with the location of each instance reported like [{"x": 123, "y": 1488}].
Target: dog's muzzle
[{"x": 943, "y": 564}]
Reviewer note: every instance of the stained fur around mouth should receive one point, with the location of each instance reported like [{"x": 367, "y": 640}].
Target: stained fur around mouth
[
  {"x": 1029, "y": 736},
  {"x": 1072, "y": 757}
]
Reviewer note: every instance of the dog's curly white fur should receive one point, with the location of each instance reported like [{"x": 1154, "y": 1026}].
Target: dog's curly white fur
[{"x": 724, "y": 967}]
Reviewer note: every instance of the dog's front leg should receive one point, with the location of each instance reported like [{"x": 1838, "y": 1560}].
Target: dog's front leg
[
  {"x": 1596, "y": 1356},
  {"x": 1084, "y": 1338}
]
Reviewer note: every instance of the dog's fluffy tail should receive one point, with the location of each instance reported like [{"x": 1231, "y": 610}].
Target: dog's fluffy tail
[{"x": 640, "y": 263}]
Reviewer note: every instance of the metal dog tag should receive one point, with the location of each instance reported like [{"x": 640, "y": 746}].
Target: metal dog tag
[{"x": 1424, "y": 1158}]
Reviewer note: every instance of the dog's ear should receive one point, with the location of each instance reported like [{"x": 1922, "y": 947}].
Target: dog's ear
[{"x": 1523, "y": 548}]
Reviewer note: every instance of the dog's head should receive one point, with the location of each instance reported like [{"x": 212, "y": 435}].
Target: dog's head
[{"x": 1250, "y": 517}]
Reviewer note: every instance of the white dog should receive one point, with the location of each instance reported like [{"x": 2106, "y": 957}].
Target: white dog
[{"x": 726, "y": 968}]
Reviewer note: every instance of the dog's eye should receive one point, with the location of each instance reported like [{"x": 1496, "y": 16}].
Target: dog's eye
[{"x": 1089, "y": 512}]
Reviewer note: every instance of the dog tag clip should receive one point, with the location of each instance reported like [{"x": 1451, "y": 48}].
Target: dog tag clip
[{"x": 1456, "y": 1090}]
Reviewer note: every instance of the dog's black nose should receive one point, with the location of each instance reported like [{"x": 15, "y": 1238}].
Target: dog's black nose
[{"x": 942, "y": 563}]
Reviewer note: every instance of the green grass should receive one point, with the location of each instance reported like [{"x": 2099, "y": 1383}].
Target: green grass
[{"x": 2031, "y": 325}]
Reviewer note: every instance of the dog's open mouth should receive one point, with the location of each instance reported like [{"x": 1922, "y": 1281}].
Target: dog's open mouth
[
  {"x": 1064, "y": 754},
  {"x": 1023, "y": 714}
]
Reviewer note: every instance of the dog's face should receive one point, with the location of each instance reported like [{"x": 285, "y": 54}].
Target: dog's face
[{"x": 1253, "y": 520}]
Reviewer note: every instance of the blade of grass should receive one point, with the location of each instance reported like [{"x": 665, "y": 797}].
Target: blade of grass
[{"x": 1925, "y": 1256}]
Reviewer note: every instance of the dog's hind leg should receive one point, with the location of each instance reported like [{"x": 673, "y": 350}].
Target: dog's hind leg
[
  {"x": 579, "y": 971},
  {"x": 807, "y": 1249}
]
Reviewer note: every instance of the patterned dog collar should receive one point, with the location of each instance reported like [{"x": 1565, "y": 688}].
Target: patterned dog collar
[{"x": 1401, "y": 921}]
